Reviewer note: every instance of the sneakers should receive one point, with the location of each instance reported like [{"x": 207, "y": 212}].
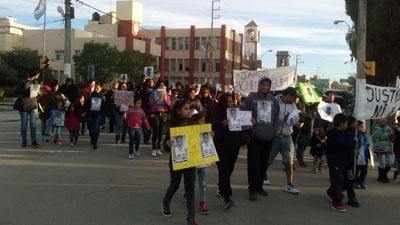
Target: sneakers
[
  {"x": 130, "y": 156},
  {"x": 228, "y": 203},
  {"x": 218, "y": 194},
  {"x": 154, "y": 152},
  {"x": 192, "y": 222},
  {"x": 59, "y": 143},
  {"x": 302, "y": 164},
  {"x": 262, "y": 192},
  {"x": 165, "y": 210},
  {"x": 338, "y": 208},
  {"x": 291, "y": 189},
  {"x": 72, "y": 144},
  {"x": 353, "y": 202},
  {"x": 267, "y": 182},
  {"x": 24, "y": 144},
  {"x": 158, "y": 152},
  {"x": 137, "y": 152},
  {"x": 203, "y": 208}
]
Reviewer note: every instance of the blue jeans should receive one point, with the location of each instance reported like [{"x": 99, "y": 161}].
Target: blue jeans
[
  {"x": 120, "y": 124},
  {"x": 284, "y": 145},
  {"x": 45, "y": 128},
  {"x": 157, "y": 127},
  {"x": 202, "y": 178},
  {"x": 134, "y": 138},
  {"x": 57, "y": 133},
  {"x": 24, "y": 124}
]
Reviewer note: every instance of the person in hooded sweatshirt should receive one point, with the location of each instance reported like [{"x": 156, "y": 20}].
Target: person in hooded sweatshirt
[{"x": 265, "y": 108}]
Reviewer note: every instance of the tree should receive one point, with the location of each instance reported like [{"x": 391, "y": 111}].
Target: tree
[
  {"x": 133, "y": 62},
  {"x": 104, "y": 58},
  {"x": 383, "y": 24},
  {"x": 24, "y": 61}
]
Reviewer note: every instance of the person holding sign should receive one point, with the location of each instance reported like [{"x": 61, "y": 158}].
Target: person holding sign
[
  {"x": 264, "y": 109},
  {"x": 179, "y": 117},
  {"x": 57, "y": 120},
  {"x": 227, "y": 144},
  {"x": 234, "y": 121},
  {"x": 94, "y": 106},
  {"x": 326, "y": 111}
]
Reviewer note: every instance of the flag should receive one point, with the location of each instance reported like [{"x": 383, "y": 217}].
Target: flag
[
  {"x": 308, "y": 92},
  {"x": 40, "y": 9}
]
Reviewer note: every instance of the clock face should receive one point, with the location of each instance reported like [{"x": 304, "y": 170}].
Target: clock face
[{"x": 251, "y": 35}]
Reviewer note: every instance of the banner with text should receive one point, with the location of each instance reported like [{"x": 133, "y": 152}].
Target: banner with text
[
  {"x": 374, "y": 102},
  {"x": 246, "y": 81},
  {"x": 193, "y": 146}
]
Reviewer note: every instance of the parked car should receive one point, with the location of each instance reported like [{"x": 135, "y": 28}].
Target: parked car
[{"x": 344, "y": 99}]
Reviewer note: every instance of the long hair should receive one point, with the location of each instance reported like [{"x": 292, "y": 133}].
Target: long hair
[
  {"x": 175, "y": 116},
  {"x": 223, "y": 104}
]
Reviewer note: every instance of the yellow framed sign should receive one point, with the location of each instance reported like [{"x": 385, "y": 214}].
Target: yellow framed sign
[{"x": 193, "y": 146}]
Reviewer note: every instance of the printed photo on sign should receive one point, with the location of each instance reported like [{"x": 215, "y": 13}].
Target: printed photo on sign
[
  {"x": 263, "y": 111},
  {"x": 207, "y": 145},
  {"x": 149, "y": 72},
  {"x": 58, "y": 118},
  {"x": 232, "y": 115},
  {"x": 95, "y": 104},
  {"x": 34, "y": 90},
  {"x": 179, "y": 148}
]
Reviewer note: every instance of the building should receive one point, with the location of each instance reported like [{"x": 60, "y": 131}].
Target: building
[{"x": 189, "y": 55}]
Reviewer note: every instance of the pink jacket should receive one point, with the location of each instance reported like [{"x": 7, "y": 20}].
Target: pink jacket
[{"x": 135, "y": 118}]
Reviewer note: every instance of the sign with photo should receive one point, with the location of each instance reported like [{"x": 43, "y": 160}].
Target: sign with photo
[
  {"x": 122, "y": 97},
  {"x": 149, "y": 72},
  {"x": 34, "y": 90},
  {"x": 238, "y": 120},
  {"x": 57, "y": 117},
  {"x": 193, "y": 146}
]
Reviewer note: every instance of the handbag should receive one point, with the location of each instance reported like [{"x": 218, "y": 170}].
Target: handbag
[
  {"x": 18, "y": 104},
  {"x": 29, "y": 104}
]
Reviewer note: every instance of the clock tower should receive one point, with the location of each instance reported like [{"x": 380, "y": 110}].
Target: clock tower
[{"x": 252, "y": 42}]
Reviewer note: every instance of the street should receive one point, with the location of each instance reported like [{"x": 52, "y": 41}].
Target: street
[{"x": 81, "y": 186}]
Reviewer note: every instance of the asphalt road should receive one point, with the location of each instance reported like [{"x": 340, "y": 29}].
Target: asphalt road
[{"x": 63, "y": 185}]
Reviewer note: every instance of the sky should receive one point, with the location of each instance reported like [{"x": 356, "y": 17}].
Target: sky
[{"x": 303, "y": 27}]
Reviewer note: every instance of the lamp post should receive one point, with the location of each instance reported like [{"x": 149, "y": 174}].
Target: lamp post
[
  {"x": 262, "y": 55},
  {"x": 336, "y": 22}
]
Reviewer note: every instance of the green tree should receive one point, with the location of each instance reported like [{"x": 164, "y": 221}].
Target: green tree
[
  {"x": 383, "y": 23},
  {"x": 24, "y": 61},
  {"x": 133, "y": 62},
  {"x": 104, "y": 58}
]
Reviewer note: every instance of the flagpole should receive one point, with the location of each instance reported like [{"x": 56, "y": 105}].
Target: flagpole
[{"x": 44, "y": 38}]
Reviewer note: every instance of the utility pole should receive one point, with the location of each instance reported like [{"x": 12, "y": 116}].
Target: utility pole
[
  {"x": 211, "y": 45},
  {"x": 67, "y": 44},
  {"x": 361, "y": 37}
]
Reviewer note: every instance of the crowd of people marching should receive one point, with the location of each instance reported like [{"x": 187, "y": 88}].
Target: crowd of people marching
[{"x": 281, "y": 124}]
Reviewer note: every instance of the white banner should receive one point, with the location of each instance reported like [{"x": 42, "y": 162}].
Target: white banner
[
  {"x": 374, "y": 102},
  {"x": 246, "y": 81}
]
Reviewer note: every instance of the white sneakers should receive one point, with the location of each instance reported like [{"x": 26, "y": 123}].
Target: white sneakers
[
  {"x": 291, "y": 189},
  {"x": 130, "y": 156},
  {"x": 156, "y": 152}
]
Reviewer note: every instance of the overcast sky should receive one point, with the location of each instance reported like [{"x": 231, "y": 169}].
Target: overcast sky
[{"x": 302, "y": 27}]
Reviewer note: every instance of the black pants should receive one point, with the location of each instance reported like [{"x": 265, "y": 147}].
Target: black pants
[
  {"x": 340, "y": 179},
  {"x": 227, "y": 159},
  {"x": 257, "y": 157},
  {"x": 189, "y": 178},
  {"x": 361, "y": 173}
]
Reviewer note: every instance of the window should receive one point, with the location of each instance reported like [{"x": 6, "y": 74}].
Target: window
[
  {"x": 180, "y": 65},
  {"x": 187, "y": 65},
  {"x": 197, "y": 43},
  {"x": 173, "y": 65},
  {"x": 167, "y": 43},
  {"x": 173, "y": 43},
  {"x": 217, "y": 43},
  {"x": 187, "y": 43},
  {"x": 166, "y": 61},
  {"x": 59, "y": 54},
  {"x": 158, "y": 41},
  {"x": 181, "y": 43},
  {"x": 217, "y": 64}
]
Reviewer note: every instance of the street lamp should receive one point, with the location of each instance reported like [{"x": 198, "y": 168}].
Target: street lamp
[
  {"x": 336, "y": 22},
  {"x": 262, "y": 55}
]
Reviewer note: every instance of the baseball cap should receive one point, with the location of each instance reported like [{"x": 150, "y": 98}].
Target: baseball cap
[{"x": 46, "y": 88}]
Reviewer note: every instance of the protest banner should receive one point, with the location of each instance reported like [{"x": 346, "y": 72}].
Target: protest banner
[
  {"x": 239, "y": 120},
  {"x": 122, "y": 97},
  {"x": 246, "y": 81},
  {"x": 192, "y": 147},
  {"x": 308, "y": 93},
  {"x": 374, "y": 102}
]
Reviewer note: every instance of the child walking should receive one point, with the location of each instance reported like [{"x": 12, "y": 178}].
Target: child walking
[
  {"x": 339, "y": 158},
  {"x": 317, "y": 142},
  {"x": 44, "y": 105},
  {"x": 201, "y": 171},
  {"x": 179, "y": 117},
  {"x": 73, "y": 121},
  {"x": 135, "y": 118},
  {"x": 362, "y": 157},
  {"x": 57, "y": 121}
]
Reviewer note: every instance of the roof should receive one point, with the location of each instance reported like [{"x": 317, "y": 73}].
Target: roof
[{"x": 251, "y": 24}]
